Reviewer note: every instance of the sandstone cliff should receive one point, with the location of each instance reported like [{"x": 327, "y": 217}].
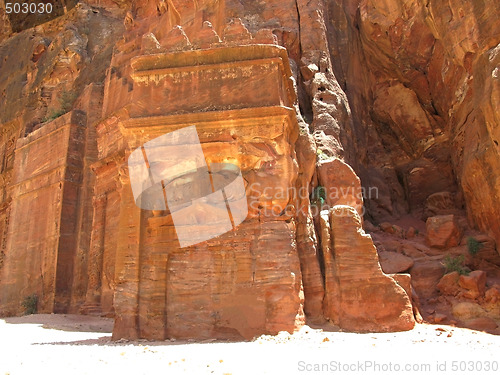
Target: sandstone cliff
[{"x": 383, "y": 112}]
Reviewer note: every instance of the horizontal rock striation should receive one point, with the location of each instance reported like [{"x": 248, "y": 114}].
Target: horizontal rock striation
[{"x": 334, "y": 115}]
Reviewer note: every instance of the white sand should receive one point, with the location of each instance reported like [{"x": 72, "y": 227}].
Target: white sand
[{"x": 81, "y": 345}]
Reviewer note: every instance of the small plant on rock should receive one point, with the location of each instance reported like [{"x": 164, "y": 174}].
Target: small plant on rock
[
  {"x": 66, "y": 101},
  {"x": 321, "y": 154},
  {"x": 473, "y": 245},
  {"x": 30, "y": 304},
  {"x": 54, "y": 114},
  {"x": 455, "y": 264},
  {"x": 319, "y": 196}
]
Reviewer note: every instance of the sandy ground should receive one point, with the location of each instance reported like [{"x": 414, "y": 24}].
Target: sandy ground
[{"x": 70, "y": 344}]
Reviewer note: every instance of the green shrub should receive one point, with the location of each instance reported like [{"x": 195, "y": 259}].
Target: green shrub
[
  {"x": 455, "y": 264},
  {"x": 30, "y": 304},
  {"x": 319, "y": 195},
  {"x": 54, "y": 114},
  {"x": 321, "y": 154},
  {"x": 66, "y": 101},
  {"x": 473, "y": 245}
]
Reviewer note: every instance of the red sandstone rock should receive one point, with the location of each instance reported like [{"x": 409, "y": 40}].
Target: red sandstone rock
[
  {"x": 411, "y": 66},
  {"x": 207, "y": 36},
  {"x": 481, "y": 324},
  {"x": 468, "y": 310},
  {"x": 387, "y": 227},
  {"x": 175, "y": 40},
  {"x": 425, "y": 276},
  {"x": 150, "y": 44},
  {"x": 394, "y": 262},
  {"x": 218, "y": 306},
  {"x": 236, "y": 32},
  {"x": 409, "y": 249},
  {"x": 443, "y": 231},
  {"x": 398, "y": 231},
  {"x": 421, "y": 123},
  {"x": 448, "y": 284},
  {"x": 474, "y": 284},
  {"x": 48, "y": 174},
  {"x": 442, "y": 203},
  {"x": 492, "y": 295},
  {"x": 411, "y": 125},
  {"x": 439, "y": 318},
  {"x": 307, "y": 245},
  {"x": 265, "y": 36},
  {"x": 486, "y": 258},
  {"x": 342, "y": 185},
  {"x": 404, "y": 281},
  {"x": 369, "y": 227},
  {"x": 359, "y": 296},
  {"x": 411, "y": 233}
]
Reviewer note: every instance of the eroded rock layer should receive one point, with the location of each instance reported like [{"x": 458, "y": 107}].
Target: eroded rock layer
[
  {"x": 359, "y": 296},
  {"x": 302, "y": 97}
]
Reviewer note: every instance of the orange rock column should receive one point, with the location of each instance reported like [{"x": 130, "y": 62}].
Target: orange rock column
[
  {"x": 359, "y": 296},
  {"x": 95, "y": 255},
  {"x": 127, "y": 268}
]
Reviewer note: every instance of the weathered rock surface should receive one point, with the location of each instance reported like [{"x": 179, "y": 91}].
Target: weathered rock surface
[
  {"x": 448, "y": 285},
  {"x": 41, "y": 159},
  {"x": 359, "y": 296},
  {"x": 422, "y": 85},
  {"x": 342, "y": 185},
  {"x": 481, "y": 324},
  {"x": 404, "y": 96},
  {"x": 443, "y": 231},
  {"x": 228, "y": 286},
  {"x": 492, "y": 295},
  {"x": 471, "y": 305},
  {"x": 394, "y": 262},
  {"x": 425, "y": 275},
  {"x": 470, "y": 286},
  {"x": 468, "y": 310},
  {"x": 442, "y": 203},
  {"x": 474, "y": 284}
]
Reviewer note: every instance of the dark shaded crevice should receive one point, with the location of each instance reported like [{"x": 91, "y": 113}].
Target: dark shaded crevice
[
  {"x": 305, "y": 102},
  {"x": 319, "y": 250},
  {"x": 298, "y": 23}
]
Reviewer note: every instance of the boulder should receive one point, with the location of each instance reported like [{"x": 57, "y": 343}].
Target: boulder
[
  {"x": 392, "y": 229},
  {"x": 394, "y": 262},
  {"x": 409, "y": 249},
  {"x": 474, "y": 284},
  {"x": 425, "y": 276},
  {"x": 492, "y": 295},
  {"x": 439, "y": 318},
  {"x": 411, "y": 232},
  {"x": 468, "y": 311},
  {"x": 481, "y": 324},
  {"x": 443, "y": 231},
  {"x": 448, "y": 285},
  {"x": 387, "y": 227}
]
